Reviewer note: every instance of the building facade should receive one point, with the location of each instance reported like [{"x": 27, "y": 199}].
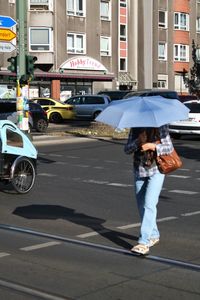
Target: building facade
[{"x": 90, "y": 45}]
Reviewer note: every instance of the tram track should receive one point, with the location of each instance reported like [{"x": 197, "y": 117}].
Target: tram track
[{"x": 163, "y": 260}]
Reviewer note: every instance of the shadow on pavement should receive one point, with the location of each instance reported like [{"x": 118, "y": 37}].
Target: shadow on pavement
[{"x": 54, "y": 212}]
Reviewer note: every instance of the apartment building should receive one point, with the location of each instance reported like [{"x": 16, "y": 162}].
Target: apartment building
[{"x": 88, "y": 45}]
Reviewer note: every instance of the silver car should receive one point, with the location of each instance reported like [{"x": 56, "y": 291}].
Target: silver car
[{"x": 88, "y": 106}]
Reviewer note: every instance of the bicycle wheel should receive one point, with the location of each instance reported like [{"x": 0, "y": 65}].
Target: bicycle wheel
[{"x": 23, "y": 175}]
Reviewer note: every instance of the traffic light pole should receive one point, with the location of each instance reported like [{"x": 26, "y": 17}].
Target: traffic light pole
[
  {"x": 22, "y": 93},
  {"x": 21, "y": 14}
]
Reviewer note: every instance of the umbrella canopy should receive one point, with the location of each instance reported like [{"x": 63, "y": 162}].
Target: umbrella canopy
[{"x": 153, "y": 111}]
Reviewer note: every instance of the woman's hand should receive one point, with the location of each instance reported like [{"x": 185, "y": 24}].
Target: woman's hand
[{"x": 148, "y": 146}]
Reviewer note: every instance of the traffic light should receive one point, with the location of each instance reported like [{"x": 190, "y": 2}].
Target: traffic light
[
  {"x": 13, "y": 64},
  {"x": 30, "y": 60}
]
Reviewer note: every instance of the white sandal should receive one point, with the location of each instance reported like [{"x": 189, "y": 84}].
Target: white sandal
[
  {"x": 141, "y": 249},
  {"x": 153, "y": 242}
]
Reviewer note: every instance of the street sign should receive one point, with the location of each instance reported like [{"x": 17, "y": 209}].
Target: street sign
[
  {"x": 7, "y": 22},
  {"x": 6, "y": 47},
  {"x": 7, "y": 34}
]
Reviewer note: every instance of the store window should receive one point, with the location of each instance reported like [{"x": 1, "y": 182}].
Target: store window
[
  {"x": 41, "y": 39},
  {"x": 76, "y": 43},
  {"x": 76, "y": 7},
  {"x": 105, "y": 46}
]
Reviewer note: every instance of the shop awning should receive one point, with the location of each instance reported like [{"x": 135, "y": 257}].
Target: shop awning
[
  {"x": 57, "y": 75},
  {"x": 126, "y": 79},
  {"x": 78, "y": 75}
]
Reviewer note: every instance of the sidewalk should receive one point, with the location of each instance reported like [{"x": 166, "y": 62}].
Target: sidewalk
[{"x": 61, "y": 138}]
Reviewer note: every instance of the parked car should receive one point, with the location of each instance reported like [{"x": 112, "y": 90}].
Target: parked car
[
  {"x": 189, "y": 126},
  {"x": 114, "y": 95},
  {"x": 184, "y": 98},
  {"x": 57, "y": 111},
  {"x": 88, "y": 106},
  {"x": 164, "y": 93},
  {"x": 37, "y": 116}
]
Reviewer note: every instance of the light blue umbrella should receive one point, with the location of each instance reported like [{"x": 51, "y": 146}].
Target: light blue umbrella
[{"x": 153, "y": 111}]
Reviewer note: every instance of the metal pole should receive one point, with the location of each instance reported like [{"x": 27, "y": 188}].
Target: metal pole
[
  {"x": 21, "y": 14},
  {"x": 22, "y": 93}
]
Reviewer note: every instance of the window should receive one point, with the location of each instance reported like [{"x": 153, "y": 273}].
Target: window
[
  {"x": 123, "y": 3},
  {"x": 40, "y": 39},
  {"x": 122, "y": 32},
  {"x": 162, "y": 21},
  {"x": 162, "y": 51},
  {"x": 122, "y": 64},
  {"x": 105, "y": 46},
  {"x": 181, "y": 21},
  {"x": 14, "y": 139},
  {"x": 198, "y": 24},
  {"x": 181, "y": 52},
  {"x": 162, "y": 84},
  {"x": 94, "y": 100},
  {"x": 76, "y": 43},
  {"x": 105, "y": 10},
  {"x": 76, "y": 7},
  {"x": 41, "y": 5}
]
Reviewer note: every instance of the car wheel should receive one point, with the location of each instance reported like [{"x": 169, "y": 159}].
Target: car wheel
[
  {"x": 55, "y": 118},
  {"x": 41, "y": 125},
  {"x": 96, "y": 114}
]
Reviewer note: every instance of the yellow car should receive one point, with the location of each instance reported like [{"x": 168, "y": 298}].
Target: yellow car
[{"x": 57, "y": 111}]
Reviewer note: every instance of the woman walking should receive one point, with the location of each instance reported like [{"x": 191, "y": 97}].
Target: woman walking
[{"x": 144, "y": 144}]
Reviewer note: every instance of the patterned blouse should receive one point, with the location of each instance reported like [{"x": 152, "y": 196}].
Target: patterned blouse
[{"x": 133, "y": 146}]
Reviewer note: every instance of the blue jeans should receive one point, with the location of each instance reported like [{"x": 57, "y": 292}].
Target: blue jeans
[{"x": 147, "y": 191}]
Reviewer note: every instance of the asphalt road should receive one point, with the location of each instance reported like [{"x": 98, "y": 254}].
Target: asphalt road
[{"x": 69, "y": 238}]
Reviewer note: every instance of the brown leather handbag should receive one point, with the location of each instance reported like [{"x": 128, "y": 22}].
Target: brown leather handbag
[{"x": 168, "y": 162}]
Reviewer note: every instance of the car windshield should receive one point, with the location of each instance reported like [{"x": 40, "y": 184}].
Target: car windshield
[{"x": 194, "y": 107}]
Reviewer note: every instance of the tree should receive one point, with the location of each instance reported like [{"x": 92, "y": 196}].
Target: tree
[{"x": 192, "y": 81}]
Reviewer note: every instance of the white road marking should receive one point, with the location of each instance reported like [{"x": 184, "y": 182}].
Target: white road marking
[
  {"x": 70, "y": 156},
  {"x": 183, "y": 192},
  {"x": 179, "y": 176},
  {"x": 47, "y": 174},
  {"x": 138, "y": 224},
  {"x": 39, "y": 246},
  {"x": 92, "y": 233},
  {"x": 3, "y": 254},
  {"x": 119, "y": 184},
  {"x": 98, "y": 167},
  {"x": 167, "y": 219},
  {"x": 56, "y": 155},
  {"x": 95, "y": 181},
  {"x": 111, "y": 161},
  {"x": 129, "y": 226},
  {"x": 184, "y": 169},
  {"x": 190, "y": 214},
  {"x": 81, "y": 166}
]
